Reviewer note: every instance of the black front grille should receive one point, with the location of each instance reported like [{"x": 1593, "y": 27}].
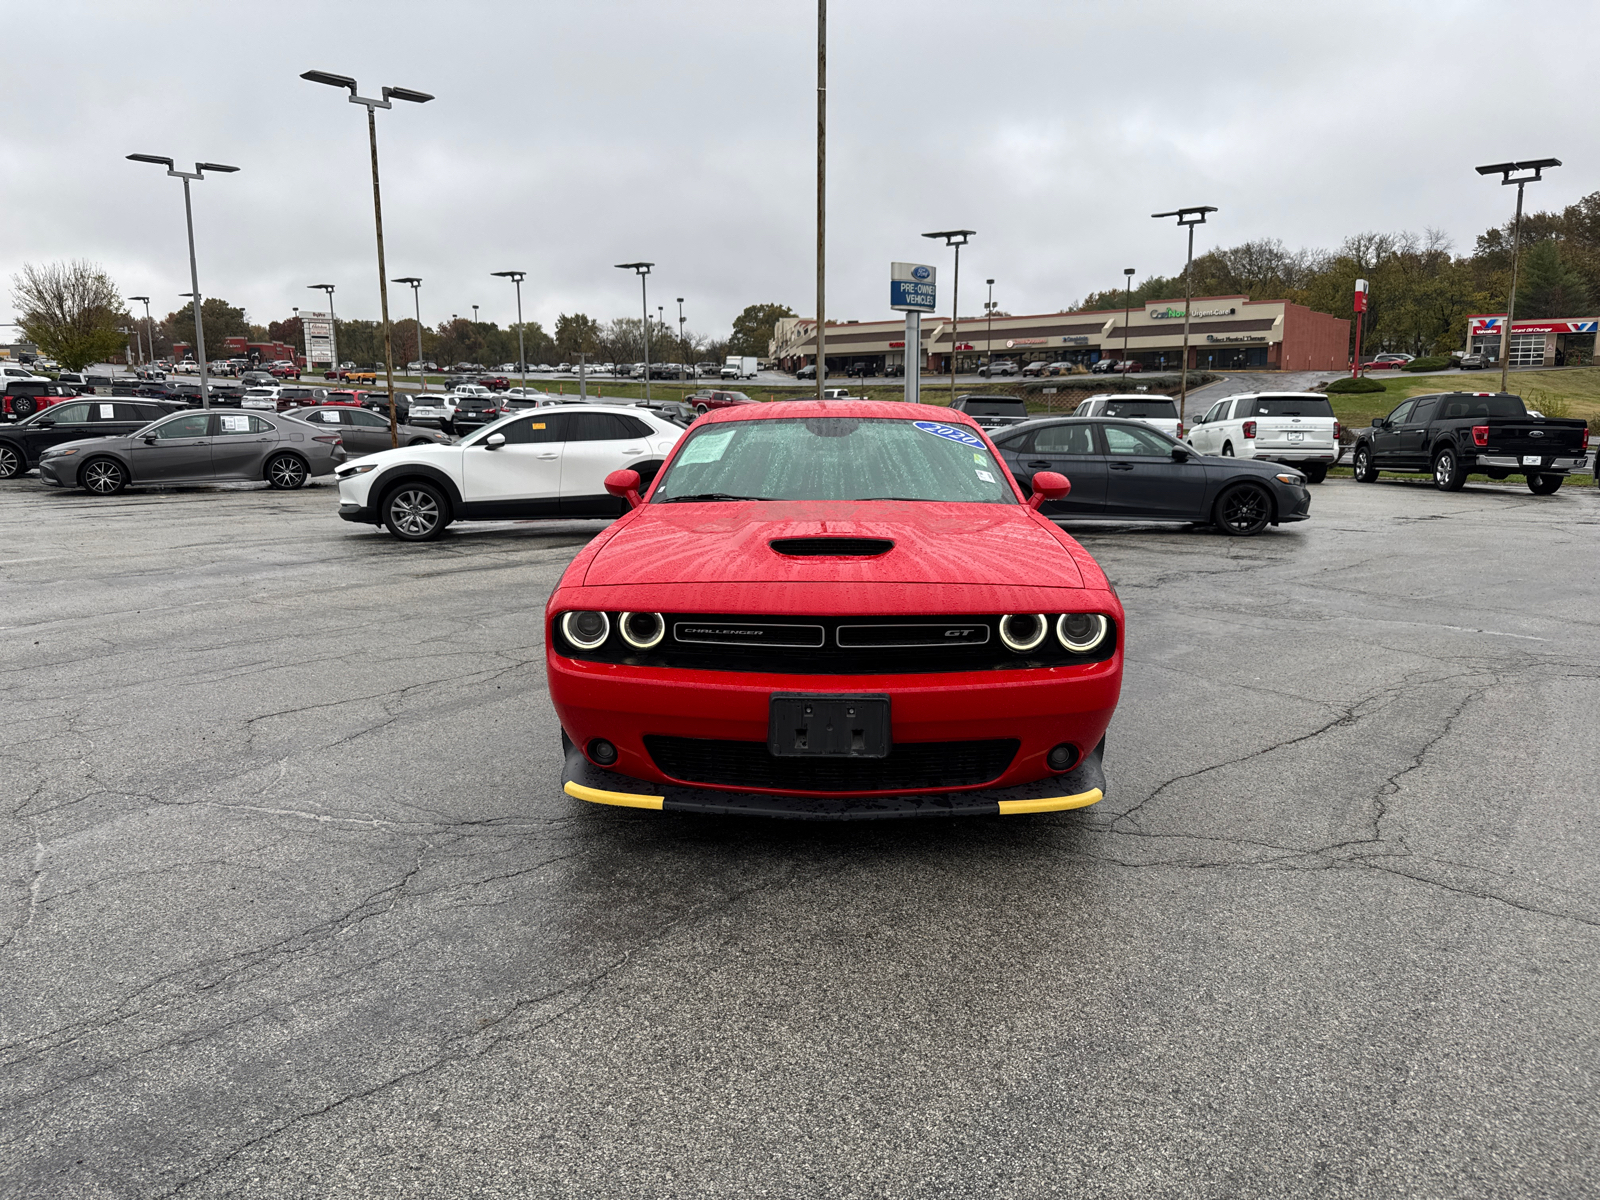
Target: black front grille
[
  {"x": 855, "y": 645},
  {"x": 908, "y": 767}
]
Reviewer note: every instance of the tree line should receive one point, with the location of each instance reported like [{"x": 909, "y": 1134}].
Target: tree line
[{"x": 1421, "y": 291}]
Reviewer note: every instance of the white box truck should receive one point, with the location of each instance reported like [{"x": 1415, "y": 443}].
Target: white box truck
[{"x": 739, "y": 368}]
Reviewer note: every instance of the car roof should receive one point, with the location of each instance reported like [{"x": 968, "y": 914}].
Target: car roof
[
  {"x": 1137, "y": 396},
  {"x": 892, "y": 409},
  {"x": 1277, "y": 395}
]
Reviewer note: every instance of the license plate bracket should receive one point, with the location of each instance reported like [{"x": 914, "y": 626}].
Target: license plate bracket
[
  {"x": 808, "y": 725},
  {"x": 1531, "y": 460},
  {"x": 1297, "y": 435}
]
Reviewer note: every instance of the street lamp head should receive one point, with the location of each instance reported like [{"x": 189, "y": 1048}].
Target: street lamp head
[
  {"x": 951, "y": 236},
  {"x": 519, "y": 276},
  {"x": 152, "y": 158},
  {"x": 1189, "y": 216},
  {"x": 320, "y": 287},
  {"x": 1128, "y": 271},
  {"x": 141, "y": 299},
  {"x": 990, "y": 282},
  {"x": 413, "y": 280},
  {"x": 394, "y": 93},
  {"x": 220, "y": 167},
  {"x": 1509, "y": 169},
  {"x": 642, "y": 268},
  {"x": 680, "y": 299},
  {"x": 329, "y": 78}
]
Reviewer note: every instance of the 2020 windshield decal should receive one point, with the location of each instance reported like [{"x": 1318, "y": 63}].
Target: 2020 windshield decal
[{"x": 952, "y": 432}]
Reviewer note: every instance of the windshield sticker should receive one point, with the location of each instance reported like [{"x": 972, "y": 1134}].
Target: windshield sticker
[
  {"x": 981, "y": 459},
  {"x": 951, "y": 432},
  {"x": 105, "y": 409},
  {"x": 236, "y": 424},
  {"x": 985, "y": 476},
  {"x": 706, "y": 448}
]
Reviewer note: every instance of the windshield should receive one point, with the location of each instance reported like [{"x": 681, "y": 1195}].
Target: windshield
[
  {"x": 993, "y": 408},
  {"x": 1291, "y": 406},
  {"x": 835, "y": 458},
  {"x": 1142, "y": 408}
]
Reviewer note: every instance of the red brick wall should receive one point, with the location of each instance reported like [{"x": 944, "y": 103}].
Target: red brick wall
[{"x": 1314, "y": 341}]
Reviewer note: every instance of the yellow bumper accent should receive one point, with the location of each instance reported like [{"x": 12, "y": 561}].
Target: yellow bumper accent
[
  {"x": 625, "y": 799},
  {"x": 1049, "y": 803}
]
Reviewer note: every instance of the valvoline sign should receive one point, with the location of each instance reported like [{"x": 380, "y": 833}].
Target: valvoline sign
[{"x": 912, "y": 287}]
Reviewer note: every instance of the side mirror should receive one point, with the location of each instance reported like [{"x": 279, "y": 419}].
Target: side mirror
[
  {"x": 624, "y": 485},
  {"x": 149, "y": 439},
  {"x": 495, "y": 440},
  {"x": 1377, "y": 422},
  {"x": 45, "y": 422},
  {"x": 1048, "y": 485},
  {"x": 1180, "y": 454}
]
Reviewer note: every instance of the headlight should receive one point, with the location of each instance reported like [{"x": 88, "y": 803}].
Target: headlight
[
  {"x": 1081, "y": 632},
  {"x": 57, "y": 453},
  {"x": 642, "y": 630},
  {"x": 360, "y": 469},
  {"x": 585, "y": 630},
  {"x": 1023, "y": 631},
  {"x": 1286, "y": 478}
]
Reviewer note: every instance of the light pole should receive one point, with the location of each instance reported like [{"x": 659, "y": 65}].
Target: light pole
[
  {"x": 956, "y": 238},
  {"x": 1508, "y": 171},
  {"x": 988, "y": 338},
  {"x": 333, "y": 324},
  {"x": 517, "y": 277},
  {"x": 1190, "y": 217},
  {"x": 822, "y": 194},
  {"x": 389, "y": 93},
  {"x": 416, "y": 299},
  {"x": 149, "y": 326},
  {"x": 1127, "y": 308},
  {"x": 474, "y": 314},
  {"x": 642, "y": 269},
  {"x": 194, "y": 272},
  {"x": 683, "y": 346}
]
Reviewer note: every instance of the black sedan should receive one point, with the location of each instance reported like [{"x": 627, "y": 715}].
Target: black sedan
[
  {"x": 22, "y": 444},
  {"x": 1129, "y": 471}
]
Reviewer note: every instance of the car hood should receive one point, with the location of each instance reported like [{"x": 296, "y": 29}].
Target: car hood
[
  {"x": 99, "y": 443},
  {"x": 410, "y": 454},
  {"x": 941, "y": 544}
]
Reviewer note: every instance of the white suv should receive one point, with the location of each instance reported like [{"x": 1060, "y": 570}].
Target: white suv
[
  {"x": 548, "y": 462},
  {"x": 1160, "y": 411},
  {"x": 1297, "y": 428}
]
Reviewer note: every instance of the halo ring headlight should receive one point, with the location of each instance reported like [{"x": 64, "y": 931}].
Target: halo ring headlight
[
  {"x": 642, "y": 630},
  {"x": 1082, "y": 632},
  {"x": 586, "y": 629},
  {"x": 1023, "y": 631}
]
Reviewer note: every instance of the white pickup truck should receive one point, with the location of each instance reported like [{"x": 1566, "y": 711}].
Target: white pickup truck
[{"x": 1295, "y": 428}]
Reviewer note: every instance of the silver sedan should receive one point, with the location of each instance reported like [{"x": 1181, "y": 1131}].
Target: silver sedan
[{"x": 197, "y": 447}]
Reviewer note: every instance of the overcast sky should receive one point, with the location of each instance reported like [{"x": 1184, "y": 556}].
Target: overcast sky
[{"x": 566, "y": 137}]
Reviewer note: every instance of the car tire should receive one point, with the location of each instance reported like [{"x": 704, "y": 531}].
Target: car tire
[
  {"x": 103, "y": 477},
  {"x": 1315, "y": 472},
  {"x": 1544, "y": 485},
  {"x": 1244, "y": 510},
  {"x": 416, "y": 512},
  {"x": 286, "y": 472},
  {"x": 1227, "y": 449},
  {"x": 24, "y": 406},
  {"x": 12, "y": 463},
  {"x": 701, "y": 409},
  {"x": 1448, "y": 473},
  {"x": 1361, "y": 465}
]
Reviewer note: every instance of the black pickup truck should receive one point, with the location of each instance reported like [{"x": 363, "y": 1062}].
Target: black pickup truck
[
  {"x": 992, "y": 412},
  {"x": 1453, "y": 434}
]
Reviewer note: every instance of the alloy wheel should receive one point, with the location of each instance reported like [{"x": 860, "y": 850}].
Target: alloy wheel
[
  {"x": 10, "y": 462},
  {"x": 1245, "y": 510},
  {"x": 103, "y": 478},
  {"x": 415, "y": 512},
  {"x": 1443, "y": 468},
  {"x": 286, "y": 471}
]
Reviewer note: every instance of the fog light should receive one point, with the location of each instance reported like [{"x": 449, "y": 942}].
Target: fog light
[
  {"x": 1081, "y": 632},
  {"x": 586, "y": 630},
  {"x": 642, "y": 630},
  {"x": 604, "y": 753},
  {"x": 1023, "y": 631},
  {"x": 1062, "y": 758}
]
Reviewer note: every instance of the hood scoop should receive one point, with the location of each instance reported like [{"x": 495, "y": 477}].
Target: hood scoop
[{"x": 831, "y": 547}]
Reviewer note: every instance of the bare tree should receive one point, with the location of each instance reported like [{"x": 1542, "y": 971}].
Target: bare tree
[{"x": 72, "y": 311}]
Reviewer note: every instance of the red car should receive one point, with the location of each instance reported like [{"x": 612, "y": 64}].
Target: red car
[
  {"x": 280, "y": 372},
  {"x": 711, "y": 399},
  {"x": 495, "y": 383},
  {"x": 835, "y": 609},
  {"x": 344, "y": 396}
]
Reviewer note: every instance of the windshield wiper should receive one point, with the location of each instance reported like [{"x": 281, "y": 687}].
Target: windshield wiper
[
  {"x": 708, "y": 496},
  {"x": 905, "y": 499}
]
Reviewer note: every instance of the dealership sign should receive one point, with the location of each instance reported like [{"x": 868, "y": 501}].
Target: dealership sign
[
  {"x": 318, "y": 328},
  {"x": 1482, "y": 325},
  {"x": 1171, "y": 314},
  {"x": 911, "y": 287}
]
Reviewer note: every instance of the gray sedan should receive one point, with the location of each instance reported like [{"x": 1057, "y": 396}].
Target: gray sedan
[
  {"x": 367, "y": 432},
  {"x": 197, "y": 447}
]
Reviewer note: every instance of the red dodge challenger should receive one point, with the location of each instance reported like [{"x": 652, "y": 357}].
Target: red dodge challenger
[{"x": 835, "y": 609}]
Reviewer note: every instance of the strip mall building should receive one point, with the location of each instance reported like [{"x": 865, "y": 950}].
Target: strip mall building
[{"x": 1225, "y": 332}]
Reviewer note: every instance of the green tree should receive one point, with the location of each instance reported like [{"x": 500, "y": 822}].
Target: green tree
[
  {"x": 752, "y": 329},
  {"x": 72, "y": 311},
  {"x": 576, "y": 334},
  {"x": 218, "y": 318},
  {"x": 1548, "y": 286}
]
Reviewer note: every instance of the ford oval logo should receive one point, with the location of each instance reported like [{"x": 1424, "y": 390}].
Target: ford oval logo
[
  {"x": 920, "y": 272},
  {"x": 1536, "y": 433}
]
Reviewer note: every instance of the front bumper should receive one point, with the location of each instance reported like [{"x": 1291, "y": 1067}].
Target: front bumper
[
  {"x": 50, "y": 473},
  {"x": 1084, "y": 785}
]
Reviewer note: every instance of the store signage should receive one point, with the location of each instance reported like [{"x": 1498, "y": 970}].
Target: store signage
[
  {"x": 1481, "y": 325},
  {"x": 1170, "y": 314},
  {"x": 912, "y": 287},
  {"x": 318, "y": 328},
  {"x": 897, "y": 345},
  {"x": 1012, "y": 342},
  {"x": 1235, "y": 337},
  {"x": 964, "y": 346},
  {"x": 1077, "y": 339}
]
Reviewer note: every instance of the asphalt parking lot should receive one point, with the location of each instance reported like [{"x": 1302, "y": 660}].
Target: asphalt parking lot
[{"x": 294, "y": 906}]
